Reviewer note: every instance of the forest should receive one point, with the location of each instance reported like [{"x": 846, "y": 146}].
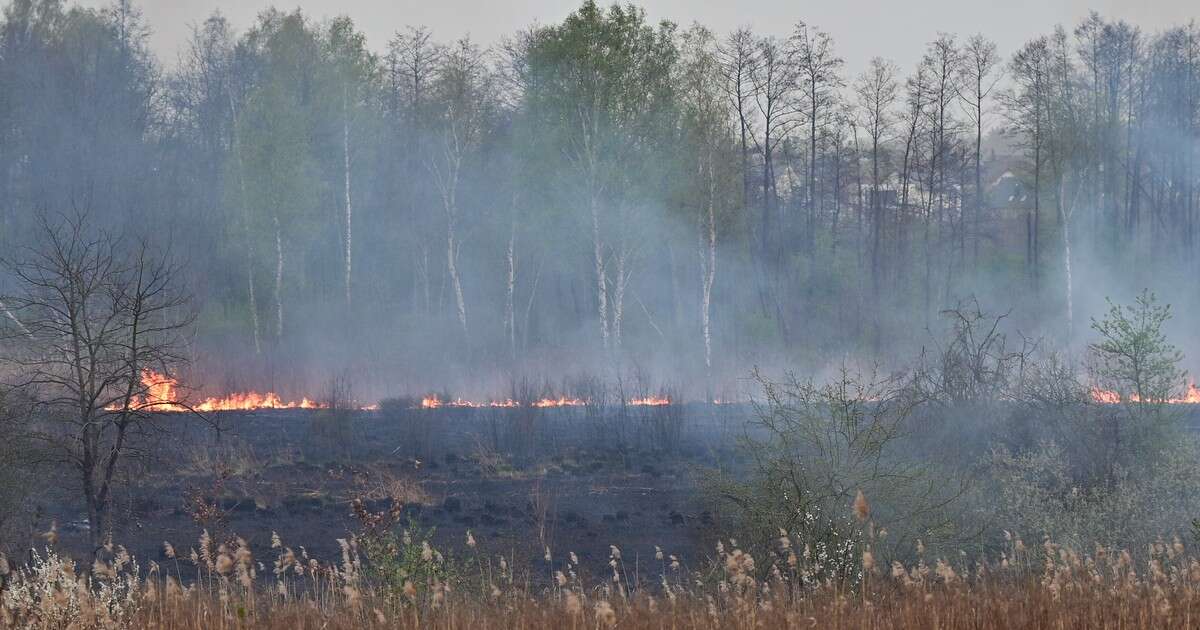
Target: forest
[
  {"x": 612, "y": 322},
  {"x": 603, "y": 191}
]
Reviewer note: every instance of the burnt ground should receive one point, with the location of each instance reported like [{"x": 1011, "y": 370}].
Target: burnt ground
[{"x": 577, "y": 480}]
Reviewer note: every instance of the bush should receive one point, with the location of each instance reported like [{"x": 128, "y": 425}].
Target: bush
[
  {"x": 1035, "y": 493},
  {"x": 815, "y": 447}
]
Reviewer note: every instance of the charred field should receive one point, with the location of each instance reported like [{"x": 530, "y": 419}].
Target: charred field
[{"x": 520, "y": 479}]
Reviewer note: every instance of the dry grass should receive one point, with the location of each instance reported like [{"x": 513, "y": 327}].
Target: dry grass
[{"x": 1040, "y": 587}]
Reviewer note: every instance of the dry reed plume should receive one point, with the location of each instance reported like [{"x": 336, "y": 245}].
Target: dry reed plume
[{"x": 1025, "y": 586}]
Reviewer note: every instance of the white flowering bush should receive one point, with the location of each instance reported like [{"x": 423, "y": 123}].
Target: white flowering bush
[{"x": 50, "y": 593}]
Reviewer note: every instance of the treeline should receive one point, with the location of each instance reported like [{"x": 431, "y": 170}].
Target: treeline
[{"x": 605, "y": 186}]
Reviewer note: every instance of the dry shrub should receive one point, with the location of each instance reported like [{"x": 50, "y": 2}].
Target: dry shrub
[
  {"x": 331, "y": 429},
  {"x": 380, "y": 484},
  {"x": 416, "y": 425},
  {"x": 663, "y": 424},
  {"x": 230, "y": 457}
]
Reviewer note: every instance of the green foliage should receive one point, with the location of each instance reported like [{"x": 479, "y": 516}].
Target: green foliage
[
  {"x": 1035, "y": 494},
  {"x": 403, "y": 563},
  {"x": 814, "y": 447},
  {"x": 1133, "y": 356}
]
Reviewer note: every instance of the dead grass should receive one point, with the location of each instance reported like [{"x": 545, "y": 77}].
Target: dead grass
[{"x": 1042, "y": 586}]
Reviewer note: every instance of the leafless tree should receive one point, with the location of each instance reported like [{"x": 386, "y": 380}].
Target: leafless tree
[
  {"x": 1026, "y": 106},
  {"x": 95, "y": 312},
  {"x": 819, "y": 82},
  {"x": 738, "y": 55},
  {"x": 980, "y": 74},
  {"x": 412, "y": 63},
  {"x": 876, "y": 91}
]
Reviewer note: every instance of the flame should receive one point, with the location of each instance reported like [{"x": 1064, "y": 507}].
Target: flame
[
  {"x": 433, "y": 401},
  {"x": 162, "y": 395},
  {"x": 559, "y": 402},
  {"x": 1109, "y": 397}
]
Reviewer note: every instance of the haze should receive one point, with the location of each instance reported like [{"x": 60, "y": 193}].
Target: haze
[{"x": 893, "y": 30}]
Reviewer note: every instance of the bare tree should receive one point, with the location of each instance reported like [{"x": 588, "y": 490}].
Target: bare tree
[
  {"x": 412, "y": 63},
  {"x": 980, "y": 65},
  {"x": 941, "y": 62},
  {"x": 1026, "y": 107},
  {"x": 876, "y": 91},
  {"x": 738, "y": 56},
  {"x": 818, "y": 81},
  {"x": 96, "y": 313}
]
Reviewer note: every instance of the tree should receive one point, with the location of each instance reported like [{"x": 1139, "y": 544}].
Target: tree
[
  {"x": 1134, "y": 360},
  {"x": 818, "y": 82},
  {"x": 354, "y": 67},
  {"x": 941, "y": 62},
  {"x": 1026, "y": 105},
  {"x": 412, "y": 63},
  {"x": 275, "y": 140},
  {"x": 706, "y": 122},
  {"x": 738, "y": 56},
  {"x": 603, "y": 85},
  {"x": 876, "y": 91},
  {"x": 94, "y": 313},
  {"x": 1133, "y": 355},
  {"x": 979, "y": 62},
  {"x": 464, "y": 90}
]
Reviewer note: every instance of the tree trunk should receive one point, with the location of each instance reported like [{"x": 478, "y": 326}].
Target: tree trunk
[
  {"x": 510, "y": 322},
  {"x": 237, "y": 147},
  {"x": 601, "y": 281},
  {"x": 349, "y": 206},
  {"x": 278, "y": 279},
  {"x": 619, "y": 297},
  {"x": 1065, "y": 217},
  {"x": 455, "y": 281},
  {"x": 708, "y": 266}
]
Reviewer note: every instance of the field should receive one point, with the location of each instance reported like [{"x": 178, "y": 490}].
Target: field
[
  {"x": 530, "y": 518},
  {"x": 519, "y": 479}
]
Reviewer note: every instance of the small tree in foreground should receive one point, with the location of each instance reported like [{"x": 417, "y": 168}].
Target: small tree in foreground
[
  {"x": 1133, "y": 357},
  {"x": 1134, "y": 364},
  {"x": 91, "y": 312}
]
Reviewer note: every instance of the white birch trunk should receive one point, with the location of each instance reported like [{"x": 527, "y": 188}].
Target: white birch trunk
[
  {"x": 509, "y": 314},
  {"x": 237, "y": 148},
  {"x": 708, "y": 266},
  {"x": 349, "y": 206},
  {"x": 619, "y": 297},
  {"x": 455, "y": 281},
  {"x": 278, "y": 279},
  {"x": 601, "y": 281},
  {"x": 1066, "y": 229}
]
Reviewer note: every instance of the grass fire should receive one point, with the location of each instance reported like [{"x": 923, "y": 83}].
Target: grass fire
[{"x": 599, "y": 315}]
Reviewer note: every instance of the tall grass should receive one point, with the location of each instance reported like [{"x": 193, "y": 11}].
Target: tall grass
[{"x": 1025, "y": 586}]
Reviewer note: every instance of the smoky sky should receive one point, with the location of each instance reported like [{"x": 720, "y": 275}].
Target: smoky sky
[{"x": 893, "y": 30}]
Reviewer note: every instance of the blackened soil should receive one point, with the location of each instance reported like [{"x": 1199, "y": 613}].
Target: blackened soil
[{"x": 518, "y": 481}]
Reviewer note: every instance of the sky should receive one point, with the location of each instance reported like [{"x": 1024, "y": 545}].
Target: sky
[{"x": 861, "y": 30}]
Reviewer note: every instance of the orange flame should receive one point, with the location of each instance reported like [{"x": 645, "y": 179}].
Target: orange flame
[
  {"x": 433, "y": 401},
  {"x": 162, "y": 395},
  {"x": 650, "y": 401},
  {"x": 559, "y": 402},
  {"x": 1109, "y": 397}
]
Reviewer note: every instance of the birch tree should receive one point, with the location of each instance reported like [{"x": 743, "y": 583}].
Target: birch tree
[
  {"x": 706, "y": 118},
  {"x": 354, "y": 72},
  {"x": 464, "y": 89}
]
